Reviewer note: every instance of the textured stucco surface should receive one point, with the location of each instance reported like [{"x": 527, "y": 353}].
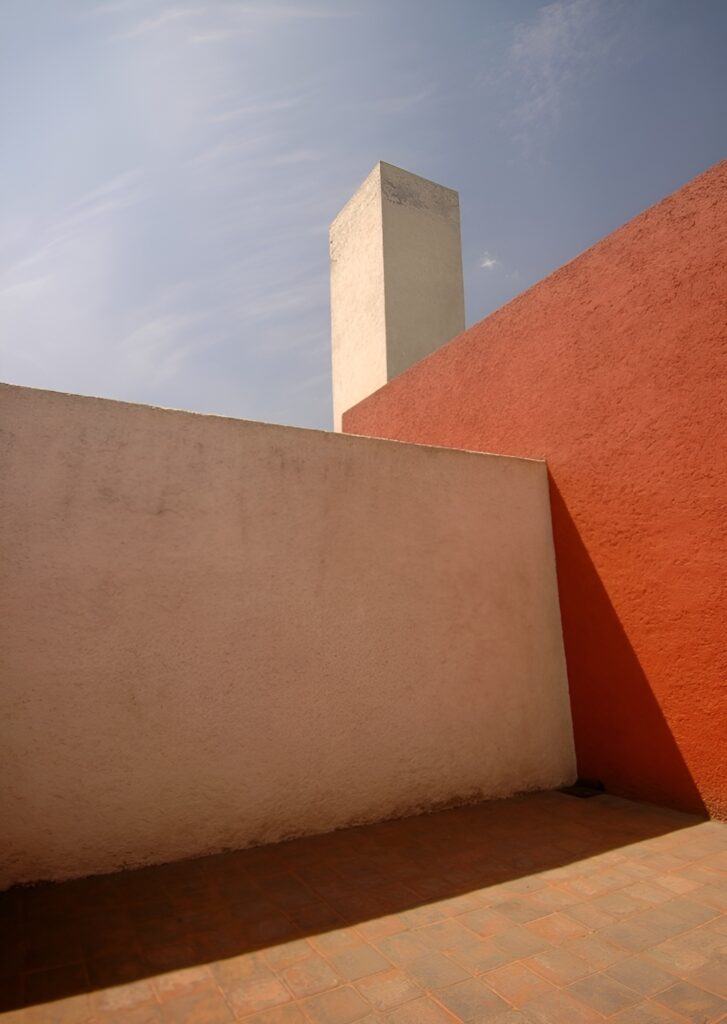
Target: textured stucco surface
[
  {"x": 422, "y": 267},
  {"x": 614, "y": 369},
  {"x": 218, "y": 633},
  {"x": 358, "y": 310},
  {"x": 397, "y": 291}
]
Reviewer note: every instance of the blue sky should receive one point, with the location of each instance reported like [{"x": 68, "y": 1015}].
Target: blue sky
[{"x": 169, "y": 169}]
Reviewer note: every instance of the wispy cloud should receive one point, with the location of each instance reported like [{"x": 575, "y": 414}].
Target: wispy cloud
[
  {"x": 295, "y": 156},
  {"x": 291, "y": 12},
  {"x": 213, "y": 23},
  {"x": 120, "y": 186},
  {"x": 270, "y": 301},
  {"x": 212, "y": 35},
  {"x": 160, "y": 347},
  {"x": 161, "y": 20},
  {"x": 105, "y": 199},
  {"x": 256, "y": 108},
  {"x": 25, "y": 288},
  {"x": 316, "y": 380},
  {"x": 397, "y": 103},
  {"x": 232, "y": 147},
  {"x": 109, "y": 197},
  {"x": 550, "y": 55},
  {"x": 502, "y": 270},
  {"x": 113, "y": 7},
  {"x": 227, "y": 23}
]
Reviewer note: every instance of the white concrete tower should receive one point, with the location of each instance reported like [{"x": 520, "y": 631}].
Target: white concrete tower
[{"x": 396, "y": 280}]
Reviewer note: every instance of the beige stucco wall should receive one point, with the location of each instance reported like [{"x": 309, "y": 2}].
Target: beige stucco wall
[
  {"x": 397, "y": 291},
  {"x": 358, "y": 310},
  {"x": 424, "y": 287},
  {"x": 218, "y": 633}
]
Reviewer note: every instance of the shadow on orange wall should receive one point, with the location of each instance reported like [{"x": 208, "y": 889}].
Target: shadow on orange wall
[{"x": 621, "y": 735}]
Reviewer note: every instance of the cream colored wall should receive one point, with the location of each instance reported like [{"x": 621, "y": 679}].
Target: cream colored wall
[
  {"x": 397, "y": 292},
  {"x": 218, "y": 633},
  {"x": 358, "y": 311},
  {"x": 422, "y": 267}
]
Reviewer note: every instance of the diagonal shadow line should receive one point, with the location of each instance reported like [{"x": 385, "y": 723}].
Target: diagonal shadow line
[
  {"x": 95, "y": 933},
  {"x": 622, "y": 737}
]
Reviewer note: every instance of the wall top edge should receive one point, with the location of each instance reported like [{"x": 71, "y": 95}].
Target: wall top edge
[
  {"x": 381, "y": 175},
  {"x": 367, "y": 185},
  {"x": 384, "y": 167},
  {"x": 331, "y": 437}
]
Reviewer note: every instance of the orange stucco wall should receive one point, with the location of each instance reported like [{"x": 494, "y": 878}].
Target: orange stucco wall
[{"x": 614, "y": 369}]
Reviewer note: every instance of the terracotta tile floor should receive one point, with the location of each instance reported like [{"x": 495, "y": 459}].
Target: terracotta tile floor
[{"x": 543, "y": 909}]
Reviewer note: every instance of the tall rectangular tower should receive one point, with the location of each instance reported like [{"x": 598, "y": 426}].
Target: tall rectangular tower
[{"x": 396, "y": 280}]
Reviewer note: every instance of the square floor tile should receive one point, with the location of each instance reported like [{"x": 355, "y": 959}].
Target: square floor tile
[
  {"x": 646, "y": 1012},
  {"x": 447, "y": 935},
  {"x": 310, "y": 976},
  {"x": 559, "y": 966},
  {"x": 435, "y": 970},
  {"x": 696, "y": 1004},
  {"x": 521, "y": 909},
  {"x": 483, "y": 956},
  {"x": 642, "y": 975},
  {"x": 471, "y": 1000},
  {"x": 205, "y": 1007},
  {"x": 517, "y": 983},
  {"x": 335, "y": 941},
  {"x": 402, "y": 947},
  {"x": 603, "y": 993},
  {"x": 339, "y": 1006},
  {"x": 256, "y": 993},
  {"x": 598, "y": 953},
  {"x": 358, "y": 962},
  {"x": 288, "y": 1014},
  {"x": 560, "y": 1007},
  {"x": 388, "y": 989},
  {"x": 520, "y": 942},
  {"x": 486, "y": 922},
  {"x": 285, "y": 954},
  {"x": 557, "y": 928},
  {"x": 419, "y": 1011}
]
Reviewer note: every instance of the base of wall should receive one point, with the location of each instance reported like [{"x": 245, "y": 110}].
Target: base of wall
[{"x": 413, "y": 811}]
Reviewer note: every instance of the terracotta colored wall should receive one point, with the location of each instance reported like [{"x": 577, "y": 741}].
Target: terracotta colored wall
[
  {"x": 614, "y": 369},
  {"x": 216, "y": 633}
]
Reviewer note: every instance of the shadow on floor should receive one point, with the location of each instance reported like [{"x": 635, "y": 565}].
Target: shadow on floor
[{"x": 110, "y": 930}]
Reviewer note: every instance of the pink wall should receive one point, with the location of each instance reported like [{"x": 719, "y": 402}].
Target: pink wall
[
  {"x": 218, "y": 633},
  {"x": 615, "y": 369}
]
